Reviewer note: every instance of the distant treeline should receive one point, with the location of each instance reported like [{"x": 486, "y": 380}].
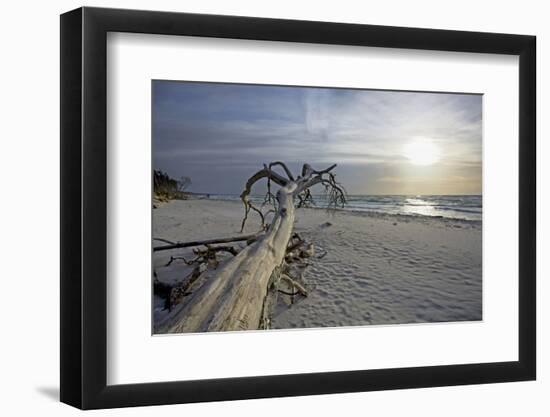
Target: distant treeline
[{"x": 168, "y": 188}]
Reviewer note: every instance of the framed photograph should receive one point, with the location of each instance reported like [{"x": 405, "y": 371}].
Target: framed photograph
[{"x": 257, "y": 208}]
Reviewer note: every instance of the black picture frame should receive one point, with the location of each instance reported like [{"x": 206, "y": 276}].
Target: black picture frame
[{"x": 84, "y": 207}]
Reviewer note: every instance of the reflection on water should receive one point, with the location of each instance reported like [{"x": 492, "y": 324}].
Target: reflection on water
[
  {"x": 419, "y": 207},
  {"x": 466, "y": 207}
]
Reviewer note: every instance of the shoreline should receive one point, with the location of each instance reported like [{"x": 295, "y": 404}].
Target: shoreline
[
  {"x": 378, "y": 269},
  {"x": 368, "y": 213}
]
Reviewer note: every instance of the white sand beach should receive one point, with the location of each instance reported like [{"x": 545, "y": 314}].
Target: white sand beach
[{"x": 378, "y": 268}]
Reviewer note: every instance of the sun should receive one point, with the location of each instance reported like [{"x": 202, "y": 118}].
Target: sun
[{"x": 421, "y": 152}]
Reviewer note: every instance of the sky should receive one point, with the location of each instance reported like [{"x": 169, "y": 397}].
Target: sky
[{"x": 383, "y": 142}]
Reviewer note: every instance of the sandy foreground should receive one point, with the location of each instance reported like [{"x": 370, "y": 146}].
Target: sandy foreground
[{"x": 378, "y": 269}]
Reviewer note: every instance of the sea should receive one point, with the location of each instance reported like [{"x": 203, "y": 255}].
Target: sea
[{"x": 464, "y": 207}]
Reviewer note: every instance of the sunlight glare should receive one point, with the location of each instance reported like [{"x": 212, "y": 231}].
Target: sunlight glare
[{"x": 421, "y": 152}]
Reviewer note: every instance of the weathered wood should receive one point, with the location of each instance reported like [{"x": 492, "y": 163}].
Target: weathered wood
[
  {"x": 179, "y": 245},
  {"x": 294, "y": 284},
  {"x": 232, "y": 297}
]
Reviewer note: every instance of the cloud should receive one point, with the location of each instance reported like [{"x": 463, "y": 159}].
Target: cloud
[{"x": 206, "y": 130}]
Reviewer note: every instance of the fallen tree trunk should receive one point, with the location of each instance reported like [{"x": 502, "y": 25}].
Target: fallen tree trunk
[{"x": 232, "y": 297}]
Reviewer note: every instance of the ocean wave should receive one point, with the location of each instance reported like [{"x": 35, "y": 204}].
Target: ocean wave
[{"x": 464, "y": 207}]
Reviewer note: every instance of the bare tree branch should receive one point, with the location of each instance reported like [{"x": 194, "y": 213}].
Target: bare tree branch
[
  {"x": 177, "y": 245},
  {"x": 245, "y": 195},
  {"x": 242, "y": 291},
  {"x": 160, "y": 239},
  {"x": 283, "y": 165}
]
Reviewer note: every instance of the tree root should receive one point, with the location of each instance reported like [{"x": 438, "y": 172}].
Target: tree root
[
  {"x": 181, "y": 290},
  {"x": 204, "y": 258},
  {"x": 294, "y": 285}
]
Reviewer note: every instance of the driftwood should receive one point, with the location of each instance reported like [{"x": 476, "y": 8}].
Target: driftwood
[
  {"x": 179, "y": 245},
  {"x": 239, "y": 293}
]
